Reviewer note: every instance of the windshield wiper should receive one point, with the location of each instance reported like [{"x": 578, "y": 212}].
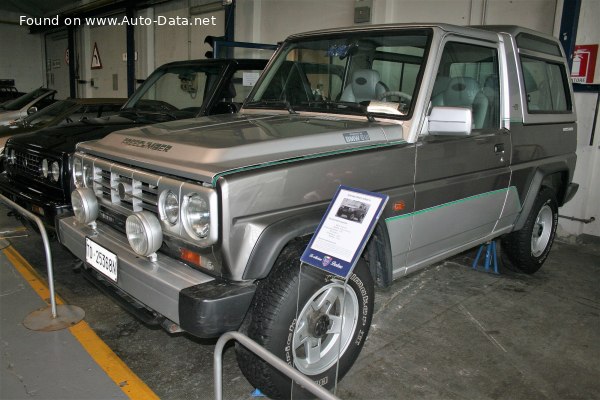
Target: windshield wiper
[
  {"x": 284, "y": 103},
  {"x": 139, "y": 114},
  {"x": 339, "y": 105}
]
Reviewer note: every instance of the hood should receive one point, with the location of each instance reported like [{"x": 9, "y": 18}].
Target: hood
[
  {"x": 7, "y": 131},
  {"x": 202, "y": 148},
  {"x": 63, "y": 138}
]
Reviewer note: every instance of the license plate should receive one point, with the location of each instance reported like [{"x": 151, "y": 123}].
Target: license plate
[{"x": 101, "y": 259}]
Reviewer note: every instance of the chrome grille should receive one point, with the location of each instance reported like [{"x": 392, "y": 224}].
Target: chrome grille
[
  {"x": 27, "y": 163},
  {"x": 122, "y": 188}
]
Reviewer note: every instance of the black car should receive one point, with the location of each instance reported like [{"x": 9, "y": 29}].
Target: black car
[
  {"x": 37, "y": 168},
  {"x": 61, "y": 112}
]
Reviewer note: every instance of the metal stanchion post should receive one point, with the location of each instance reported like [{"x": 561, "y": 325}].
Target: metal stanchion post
[
  {"x": 47, "y": 319},
  {"x": 270, "y": 358}
]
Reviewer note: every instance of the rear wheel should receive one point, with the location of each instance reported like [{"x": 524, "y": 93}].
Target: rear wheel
[
  {"x": 528, "y": 248},
  {"x": 332, "y": 318}
]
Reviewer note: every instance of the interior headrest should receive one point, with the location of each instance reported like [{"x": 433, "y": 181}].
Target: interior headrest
[
  {"x": 461, "y": 91},
  {"x": 364, "y": 82}
]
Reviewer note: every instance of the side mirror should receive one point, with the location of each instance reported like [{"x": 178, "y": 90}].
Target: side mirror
[
  {"x": 451, "y": 121},
  {"x": 32, "y": 110}
]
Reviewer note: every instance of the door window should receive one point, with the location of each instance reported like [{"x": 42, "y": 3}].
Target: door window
[{"x": 468, "y": 77}]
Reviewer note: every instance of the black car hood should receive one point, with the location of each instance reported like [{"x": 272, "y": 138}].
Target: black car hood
[
  {"x": 63, "y": 138},
  {"x": 9, "y": 130}
]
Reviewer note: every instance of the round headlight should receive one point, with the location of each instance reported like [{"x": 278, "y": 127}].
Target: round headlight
[
  {"x": 88, "y": 177},
  {"x": 85, "y": 205},
  {"x": 78, "y": 172},
  {"x": 55, "y": 171},
  {"x": 196, "y": 216},
  {"x": 144, "y": 233},
  {"x": 169, "y": 209},
  {"x": 44, "y": 168}
]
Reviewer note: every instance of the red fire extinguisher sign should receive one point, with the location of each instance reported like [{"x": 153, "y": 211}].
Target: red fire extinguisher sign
[{"x": 584, "y": 63}]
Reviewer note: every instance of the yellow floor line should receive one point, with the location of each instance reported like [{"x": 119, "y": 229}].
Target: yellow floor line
[{"x": 114, "y": 367}]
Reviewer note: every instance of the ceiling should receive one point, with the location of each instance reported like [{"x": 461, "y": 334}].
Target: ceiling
[{"x": 38, "y": 8}]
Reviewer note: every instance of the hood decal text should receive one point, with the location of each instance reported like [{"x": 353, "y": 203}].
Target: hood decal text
[{"x": 147, "y": 144}]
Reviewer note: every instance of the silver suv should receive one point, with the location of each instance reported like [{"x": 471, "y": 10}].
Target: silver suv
[{"x": 471, "y": 131}]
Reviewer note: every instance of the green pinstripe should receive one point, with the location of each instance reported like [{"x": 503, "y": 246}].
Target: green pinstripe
[
  {"x": 302, "y": 158},
  {"x": 477, "y": 196}
]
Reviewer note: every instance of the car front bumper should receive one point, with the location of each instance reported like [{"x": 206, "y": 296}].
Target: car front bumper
[
  {"x": 48, "y": 210},
  {"x": 197, "y": 302}
]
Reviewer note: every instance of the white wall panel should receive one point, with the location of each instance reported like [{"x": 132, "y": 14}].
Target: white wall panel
[
  {"x": 407, "y": 11},
  {"x": 534, "y": 14},
  {"x": 111, "y": 43},
  {"x": 171, "y": 42},
  {"x": 21, "y": 55},
  {"x": 281, "y": 18},
  {"x": 585, "y": 203},
  {"x": 57, "y": 73}
]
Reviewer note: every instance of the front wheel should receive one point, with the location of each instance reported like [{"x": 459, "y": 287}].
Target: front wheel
[
  {"x": 307, "y": 319},
  {"x": 528, "y": 248}
]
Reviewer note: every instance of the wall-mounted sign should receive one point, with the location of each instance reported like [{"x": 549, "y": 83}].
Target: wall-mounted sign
[
  {"x": 55, "y": 63},
  {"x": 584, "y": 63},
  {"x": 96, "y": 61},
  {"x": 344, "y": 230}
]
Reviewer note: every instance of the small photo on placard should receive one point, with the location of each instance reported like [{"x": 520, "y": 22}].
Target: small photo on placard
[{"x": 353, "y": 210}]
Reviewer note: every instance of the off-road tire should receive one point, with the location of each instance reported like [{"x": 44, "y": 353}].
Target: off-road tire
[
  {"x": 523, "y": 255},
  {"x": 271, "y": 321}
]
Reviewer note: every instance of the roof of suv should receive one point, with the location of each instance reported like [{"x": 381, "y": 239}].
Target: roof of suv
[{"x": 388, "y": 27}]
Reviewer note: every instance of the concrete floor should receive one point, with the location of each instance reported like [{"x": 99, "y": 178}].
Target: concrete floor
[{"x": 447, "y": 332}]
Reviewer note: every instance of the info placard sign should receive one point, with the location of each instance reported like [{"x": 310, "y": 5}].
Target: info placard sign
[{"x": 344, "y": 230}]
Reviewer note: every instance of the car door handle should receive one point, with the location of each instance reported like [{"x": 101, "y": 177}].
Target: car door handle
[{"x": 499, "y": 148}]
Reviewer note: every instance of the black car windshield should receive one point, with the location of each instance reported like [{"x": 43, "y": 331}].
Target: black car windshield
[
  {"x": 50, "y": 113},
  {"x": 22, "y": 101},
  {"x": 356, "y": 72},
  {"x": 177, "y": 91}
]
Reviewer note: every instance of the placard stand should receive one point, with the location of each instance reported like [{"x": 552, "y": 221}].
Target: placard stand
[{"x": 333, "y": 312}]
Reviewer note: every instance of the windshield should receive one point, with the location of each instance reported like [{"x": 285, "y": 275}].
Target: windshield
[
  {"x": 357, "y": 72},
  {"x": 175, "y": 91},
  {"x": 49, "y": 113},
  {"x": 22, "y": 101}
]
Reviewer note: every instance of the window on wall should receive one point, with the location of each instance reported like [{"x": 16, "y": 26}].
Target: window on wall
[
  {"x": 545, "y": 85},
  {"x": 468, "y": 77}
]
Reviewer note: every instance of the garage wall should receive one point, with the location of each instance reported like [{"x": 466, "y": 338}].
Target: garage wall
[
  {"x": 260, "y": 20},
  {"x": 268, "y": 26},
  {"x": 586, "y": 203},
  {"x": 170, "y": 42},
  {"x": 111, "y": 46},
  {"x": 21, "y": 57},
  {"x": 57, "y": 69}
]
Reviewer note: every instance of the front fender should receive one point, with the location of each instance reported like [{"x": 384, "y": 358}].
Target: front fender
[{"x": 274, "y": 238}]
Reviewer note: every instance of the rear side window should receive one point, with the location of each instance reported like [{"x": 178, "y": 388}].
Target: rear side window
[{"x": 545, "y": 86}]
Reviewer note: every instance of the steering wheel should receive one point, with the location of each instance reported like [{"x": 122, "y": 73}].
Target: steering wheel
[{"x": 396, "y": 93}]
